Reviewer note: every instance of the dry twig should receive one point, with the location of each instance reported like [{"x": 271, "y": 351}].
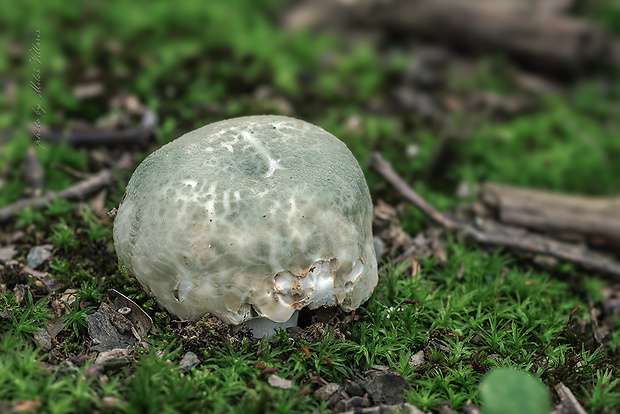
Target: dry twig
[
  {"x": 569, "y": 403},
  {"x": 75, "y": 192},
  {"x": 134, "y": 136},
  {"x": 594, "y": 324}
]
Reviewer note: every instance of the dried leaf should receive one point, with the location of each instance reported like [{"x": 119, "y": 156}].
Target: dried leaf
[
  {"x": 103, "y": 330},
  {"x": 140, "y": 320}
]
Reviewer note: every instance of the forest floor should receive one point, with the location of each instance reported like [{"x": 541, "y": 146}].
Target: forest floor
[{"x": 121, "y": 80}]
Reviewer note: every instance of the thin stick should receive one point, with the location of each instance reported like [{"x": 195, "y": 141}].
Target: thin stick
[
  {"x": 136, "y": 136},
  {"x": 384, "y": 168},
  {"x": 594, "y": 323},
  {"x": 77, "y": 191}
]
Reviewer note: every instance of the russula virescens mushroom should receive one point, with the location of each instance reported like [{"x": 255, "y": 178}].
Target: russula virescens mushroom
[{"x": 252, "y": 217}]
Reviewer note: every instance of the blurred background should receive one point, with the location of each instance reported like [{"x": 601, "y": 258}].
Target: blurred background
[{"x": 451, "y": 92}]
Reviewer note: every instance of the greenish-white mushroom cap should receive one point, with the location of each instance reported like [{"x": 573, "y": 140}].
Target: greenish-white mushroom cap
[{"x": 250, "y": 217}]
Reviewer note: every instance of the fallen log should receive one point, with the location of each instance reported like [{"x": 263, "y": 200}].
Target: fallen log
[
  {"x": 595, "y": 221},
  {"x": 541, "y": 40},
  {"x": 490, "y": 233}
]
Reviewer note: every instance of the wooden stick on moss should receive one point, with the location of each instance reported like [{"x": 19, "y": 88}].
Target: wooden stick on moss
[
  {"x": 504, "y": 236},
  {"x": 379, "y": 164},
  {"x": 573, "y": 218},
  {"x": 77, "y": 191}
]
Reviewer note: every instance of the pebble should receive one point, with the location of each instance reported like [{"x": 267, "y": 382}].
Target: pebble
[
  {"x": 189, "y": 361},
  {"x": 354, "y": 389},
  {"x": 416, "y": 359},
  {"x": 356, "y": 402},
  {"x": 113, "y": 359},
  {"x": 387, "y": 387},
  {"x": 43, "y": 340},
  {"x": 38, "y": 255},
  {"x": 7, "y": 253},
  {"x": 326, "y": 391}
]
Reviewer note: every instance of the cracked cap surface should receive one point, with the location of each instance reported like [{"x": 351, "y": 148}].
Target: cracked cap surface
[{"x": 248, "y": 217}]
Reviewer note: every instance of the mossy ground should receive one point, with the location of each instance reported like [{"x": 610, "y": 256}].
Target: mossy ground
[{"x": 194, "y": 63}]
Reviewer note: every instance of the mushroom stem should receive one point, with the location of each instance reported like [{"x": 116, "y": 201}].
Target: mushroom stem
[{"x": 262, "y": 327}]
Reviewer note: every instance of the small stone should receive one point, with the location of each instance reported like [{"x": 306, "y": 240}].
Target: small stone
[
  {"x": 470, "y": 408},
  {"x": 43, "y": 340},
  {"x": 113, "y": 359},
  {"x": 379, "y": 247},
  {"x": 38, "y": 255},
  {"x": 416, "y": 360},
  {"x": 279, "y": 382},
  {"x": 545, "y": 261},
  {"x": 410, "y": 409},
  {"x": 17, "y": 236},
  {"x": 7, "y": 253},
  {"x": 387, "y": 387},
  {"x": 445, "y": 408},
  {"x": 334, "y": 399},
  {"x": 189, "y": 361},
  {"x": 326, "y": 391},
  {"x": 93, "y": 370},
  {"x": 356, "y": 402},
  {"x": 495, "y": 357},
  {"x": 354, "y": 389}
]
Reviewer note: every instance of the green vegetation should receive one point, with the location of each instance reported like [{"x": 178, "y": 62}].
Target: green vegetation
[
  {"x": 503, "y": 309},
  {"x": 197, "y": 62},
  {"x": 500, "y": 386}
]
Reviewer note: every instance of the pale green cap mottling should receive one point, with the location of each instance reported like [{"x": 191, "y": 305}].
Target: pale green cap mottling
[{"x": 253, "y": 216}]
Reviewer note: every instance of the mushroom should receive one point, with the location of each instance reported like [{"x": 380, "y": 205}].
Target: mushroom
[{"x": 248, "y": 218}]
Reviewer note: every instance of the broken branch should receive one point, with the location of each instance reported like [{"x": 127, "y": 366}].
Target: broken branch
[
  {"x": 574, "y": 218},
  {"x": 384, "y": 168},
  {"x": 77, "y": 191}
]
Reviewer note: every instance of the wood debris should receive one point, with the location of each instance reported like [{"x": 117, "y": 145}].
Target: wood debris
[
  {"x": 491, "y": 233},
  {"x": 77, "y": 191},
  {"x": 573, "y": 218},
  {"x": 541, "y": 38},
  {"x": 568, "y": 403}
]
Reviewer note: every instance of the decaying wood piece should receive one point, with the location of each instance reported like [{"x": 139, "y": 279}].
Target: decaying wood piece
[
  {"x": 496, "y": 234},
  {"x": 568, "y": 402},
  {"x": 596, "y": 333},
  {"x": 103, "y": 136},
  {"x": 133, "y": 136},
  {"x": 593, "y": 220},
  {"x": 544, "y": 40},
  {"x": 384, "y": 168},
  {"x": 77, "y": 191}
]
